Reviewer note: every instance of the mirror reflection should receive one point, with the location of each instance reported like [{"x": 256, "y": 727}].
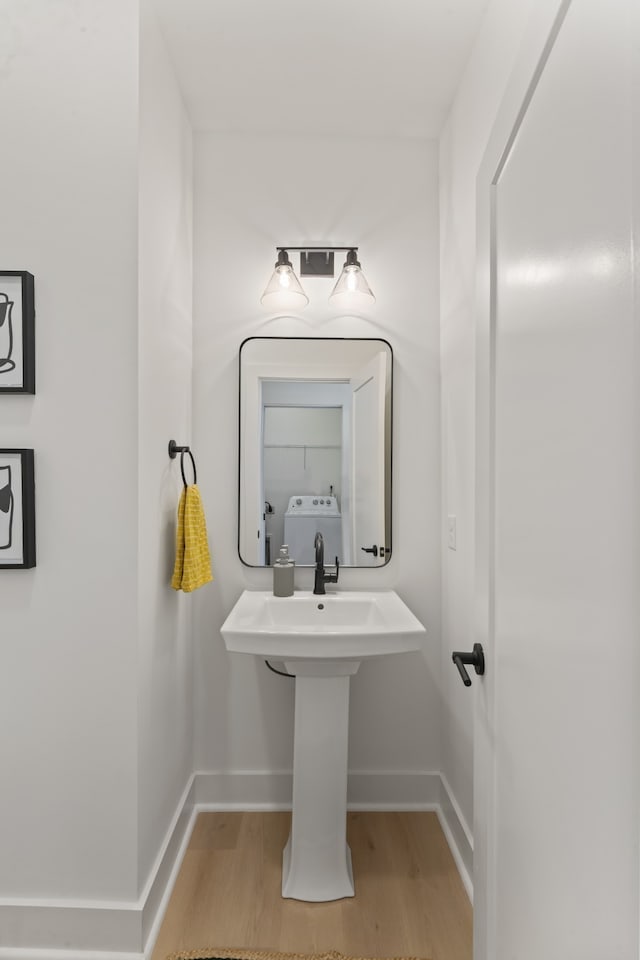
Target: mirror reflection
[{"x": 315, "y": 450}]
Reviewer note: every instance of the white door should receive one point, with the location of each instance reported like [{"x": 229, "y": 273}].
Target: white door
[
  {"x": 557, "y": 799},
  {"x": 368, "y": 473}
]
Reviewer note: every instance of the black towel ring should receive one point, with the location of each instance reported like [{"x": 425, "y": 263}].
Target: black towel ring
[
  {"x": 193, "y": 464},
  {"x": 175, "y": 449}
]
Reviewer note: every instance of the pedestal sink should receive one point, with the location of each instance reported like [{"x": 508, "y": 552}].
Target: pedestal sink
[{"x": 322, "y": 640}]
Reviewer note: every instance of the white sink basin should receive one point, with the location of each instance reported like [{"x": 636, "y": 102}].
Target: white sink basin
[
  {"x": 339, "y": 626},
  {"x": 321, "y": 640}
]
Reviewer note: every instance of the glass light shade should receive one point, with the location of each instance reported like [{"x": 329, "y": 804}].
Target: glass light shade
[
  {"x": 284, "y": 291},
  {"x": 352, "y": 290}
]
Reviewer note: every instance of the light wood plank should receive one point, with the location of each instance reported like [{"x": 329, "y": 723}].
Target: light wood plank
[
  {"x": 219, "y": 832},
  {"x": 410, "y": 900}
]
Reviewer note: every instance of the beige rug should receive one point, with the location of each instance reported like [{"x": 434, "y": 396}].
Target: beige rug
[{"x": 225, "y": 953}]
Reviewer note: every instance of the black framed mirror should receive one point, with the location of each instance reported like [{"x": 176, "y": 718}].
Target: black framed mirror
[{"x": 315, "y": 449}]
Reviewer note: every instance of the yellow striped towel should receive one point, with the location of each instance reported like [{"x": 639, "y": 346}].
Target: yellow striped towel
[{"x": 193, "y": 564}]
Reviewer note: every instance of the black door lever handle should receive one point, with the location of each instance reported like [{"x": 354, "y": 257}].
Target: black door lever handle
[
  {"x": 373, "y": 549},
  {"x": 474, "y": 659}
]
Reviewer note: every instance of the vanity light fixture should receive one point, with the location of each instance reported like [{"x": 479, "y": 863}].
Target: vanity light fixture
[
  {"x": 351, "y": 289},
  {"x": 285, "y": 291}
]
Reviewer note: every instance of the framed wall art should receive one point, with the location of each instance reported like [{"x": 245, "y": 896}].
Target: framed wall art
[
  {"x": 17, "y": 332},
  {"x": 17, "y": 510}
]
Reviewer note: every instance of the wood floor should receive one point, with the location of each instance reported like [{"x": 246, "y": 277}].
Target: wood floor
[{"x": 409, "y": 898}]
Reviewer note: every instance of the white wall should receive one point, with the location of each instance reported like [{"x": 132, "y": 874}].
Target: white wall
[
  {"x": 68, "y": 678},
  {"x": 96, "y": 686},
  {"x": 165, "y": 652},
  {"x": 462, "y": 145},
  {"x": 253, "y": 193}
]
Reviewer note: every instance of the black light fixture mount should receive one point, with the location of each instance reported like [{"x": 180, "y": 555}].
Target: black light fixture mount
[{"x": 316, "y": 261}]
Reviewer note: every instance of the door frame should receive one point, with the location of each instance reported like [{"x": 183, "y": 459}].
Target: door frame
[
  {"x": 539, "y": 38},
  {"x": 375, "y": 370}
]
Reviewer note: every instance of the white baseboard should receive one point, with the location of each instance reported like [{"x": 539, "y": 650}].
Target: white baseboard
[
  {"x": 79, "y": 930},
  {"x": 164, "y": 872},
  {"x": 26, "y": 953},
  {"x": 459, "y": 836},
  {"x": 36, "y": 929},
  {"x": 98, "y": 930},
  {"x": 272, "y": 790},
  {"x": 244, "y": 790},
  {"x": 393, "y": 790}
]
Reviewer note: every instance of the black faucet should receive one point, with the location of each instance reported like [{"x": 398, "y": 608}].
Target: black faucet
[{"x": 322, "y": 576}]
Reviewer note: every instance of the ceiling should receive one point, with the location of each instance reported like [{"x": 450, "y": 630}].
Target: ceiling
[{"x": 340, "y": 67}]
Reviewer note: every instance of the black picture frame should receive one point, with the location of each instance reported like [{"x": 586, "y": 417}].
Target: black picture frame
[
  {"x": 17, "y": 332},
  {"x": 17, "y": 510}
]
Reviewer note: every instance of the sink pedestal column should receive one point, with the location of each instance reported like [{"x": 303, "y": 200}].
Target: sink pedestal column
[{"x": 316, "y": 863}]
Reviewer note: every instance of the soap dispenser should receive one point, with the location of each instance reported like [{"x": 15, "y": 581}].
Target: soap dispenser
[{"x": 283, "y": 574}]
